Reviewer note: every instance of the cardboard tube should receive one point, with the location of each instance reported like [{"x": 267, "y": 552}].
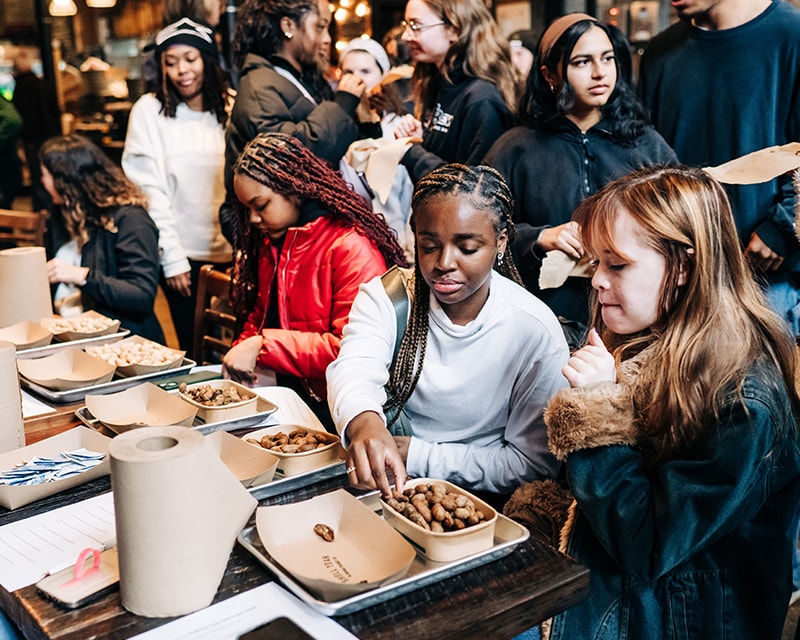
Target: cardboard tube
[
  {"x": 12, "y": 430},
  {"x": 24, "y": 286},
  {"x": 178, "y": 511}
]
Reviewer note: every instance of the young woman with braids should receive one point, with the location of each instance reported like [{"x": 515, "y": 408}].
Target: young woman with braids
[
  {"x": 278, "y": 46},
  {"x": 111, "y": 260},
  {"x": 303, "y": 243},
  {"x": 478, "y": 362},
  {"x": 175, "y": 151},
  {"x": 583, "y": 126},
  {"x": 465, "y": 83}
]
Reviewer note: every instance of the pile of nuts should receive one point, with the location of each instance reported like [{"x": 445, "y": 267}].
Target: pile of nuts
[
  {"x": 80, "y": 324},
  {"x": 431, "y": 506},
  {"x": 210, "y": 396},
  {"x": 298, "y": 441},
  {"x": 123, "y": 354}
]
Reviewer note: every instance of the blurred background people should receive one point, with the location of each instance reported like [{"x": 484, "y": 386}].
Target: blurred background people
[
  {"x": 523, "y": 49},
  {"x": 40, "y": 120},
  {"x": 10, "y": 165},
  {"x": 175, "y": 151}
]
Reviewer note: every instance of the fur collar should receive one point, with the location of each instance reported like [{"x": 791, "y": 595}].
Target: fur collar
[{"x": 595, "y": 415}]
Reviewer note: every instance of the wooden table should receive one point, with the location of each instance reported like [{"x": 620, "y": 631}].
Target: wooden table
[{"x": 498, "y": 600}]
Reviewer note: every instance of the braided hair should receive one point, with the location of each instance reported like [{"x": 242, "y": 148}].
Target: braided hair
[
  {"x": 283, "y": 164},
  {"x": 89, "y": 183},
  {"x": 486, "y": 190}
]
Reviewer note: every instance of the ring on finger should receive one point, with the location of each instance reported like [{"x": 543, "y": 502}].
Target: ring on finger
[{"x": 350, "y": 470}]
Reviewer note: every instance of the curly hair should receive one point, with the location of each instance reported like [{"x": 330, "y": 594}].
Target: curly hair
[
  {"x": 283, "y": 164},
  {"x": 481, "y": 47},
  {"x": 623, "y": 109},
  {"x": 713, "y": 321},
  {"x": 89, "y": 184},
  {"x": 215, "y": 89},
  {"x": 485, "y": 190}
]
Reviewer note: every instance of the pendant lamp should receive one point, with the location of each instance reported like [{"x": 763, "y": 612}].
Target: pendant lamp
[
  {"x": 62, "y": 8},
  {"x": 100, "y": 4}
]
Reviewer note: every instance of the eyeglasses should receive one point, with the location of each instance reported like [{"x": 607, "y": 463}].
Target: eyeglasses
[{"x": 416, "y": 28}]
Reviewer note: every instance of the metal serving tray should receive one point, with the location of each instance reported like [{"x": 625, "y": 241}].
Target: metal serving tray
[
  {"x": 264, "y": 409},
  {"x": 55, "y": 347},
  {"x": 118, "y": 384},
  {"x": 508, "y": 534},
  {"x": 280, "y": 485}
]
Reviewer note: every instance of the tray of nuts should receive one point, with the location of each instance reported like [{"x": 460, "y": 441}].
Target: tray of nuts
[
  {"x": 299, "y": 448},
  {"x": 507, "y": 535}
]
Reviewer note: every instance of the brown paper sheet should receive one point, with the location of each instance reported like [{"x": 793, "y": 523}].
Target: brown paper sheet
[
  {"x": 378, "y": 158},
  {"x": 759, "y": 166},
  {"x": 557, "y": 266},
  {"x": 178, "y": 511}
]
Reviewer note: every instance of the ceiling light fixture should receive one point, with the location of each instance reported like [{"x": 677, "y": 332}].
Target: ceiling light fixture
[
  {"x": 101, "y": 4},
  {"x": 62, "y": 8}
]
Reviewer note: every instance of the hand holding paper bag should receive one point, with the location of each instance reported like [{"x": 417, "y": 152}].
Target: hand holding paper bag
[{"x": 178, "y": 511}]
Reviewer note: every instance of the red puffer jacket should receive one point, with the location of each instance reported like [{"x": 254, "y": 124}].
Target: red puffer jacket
[{"x": 320, "y": 269}]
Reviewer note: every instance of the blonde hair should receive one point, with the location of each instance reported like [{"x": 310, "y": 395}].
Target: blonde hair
[
  {"x": 481, "y": 46},
  {"x": 709, "y": 330}
]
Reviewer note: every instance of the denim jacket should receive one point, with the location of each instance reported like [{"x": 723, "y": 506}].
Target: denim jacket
[{"x": 696, "y": 547}]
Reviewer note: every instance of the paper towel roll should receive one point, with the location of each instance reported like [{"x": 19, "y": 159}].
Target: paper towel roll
[
  {"x": 24, "y": 286},
  {"x": 12, "y": 431},
  {"x": 178, "y": 511}
]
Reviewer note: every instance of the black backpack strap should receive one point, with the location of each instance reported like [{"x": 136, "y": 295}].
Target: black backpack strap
[{"x": 394, "y": 283}]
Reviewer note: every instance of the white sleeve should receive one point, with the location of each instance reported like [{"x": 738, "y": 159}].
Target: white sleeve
[
  {"x": 357, "y": 377},
  {"x": 144, "y": 162}
]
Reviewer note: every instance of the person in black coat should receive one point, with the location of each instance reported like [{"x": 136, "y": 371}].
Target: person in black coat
[
  {"x": 583, "y": 127},
  {"x": 111, "y": 262}
]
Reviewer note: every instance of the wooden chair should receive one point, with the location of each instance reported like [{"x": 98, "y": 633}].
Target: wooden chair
[
  {"x": 214, "y": 324},
  {"x": 22, "y": 228}
]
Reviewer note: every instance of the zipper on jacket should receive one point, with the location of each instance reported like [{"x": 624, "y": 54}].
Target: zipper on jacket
[{"x": 586, "y": 157}]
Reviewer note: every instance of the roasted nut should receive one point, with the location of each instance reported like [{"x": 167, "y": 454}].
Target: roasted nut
[{"x": 324, "y": 531}]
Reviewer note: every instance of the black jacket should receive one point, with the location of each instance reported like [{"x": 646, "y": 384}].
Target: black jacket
[
  {"x": 123, "y": 272},
  {"x": 550, "y": 171},
  {"x": 469, "y": 116}
]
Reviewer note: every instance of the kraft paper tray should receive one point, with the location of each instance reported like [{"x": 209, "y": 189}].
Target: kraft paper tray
[
  {"x": 507, "y": 536},
  {"x": 55, "y": 347},
  {"x": 118, "y": 384}
]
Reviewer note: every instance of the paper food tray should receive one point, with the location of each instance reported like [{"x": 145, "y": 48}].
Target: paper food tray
[
  {"x": 264, "y": 408},
  {"x": 118, "y": 384},
  {"x": 55, "y": 347},
  {"x": 507, "y": 536}
]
